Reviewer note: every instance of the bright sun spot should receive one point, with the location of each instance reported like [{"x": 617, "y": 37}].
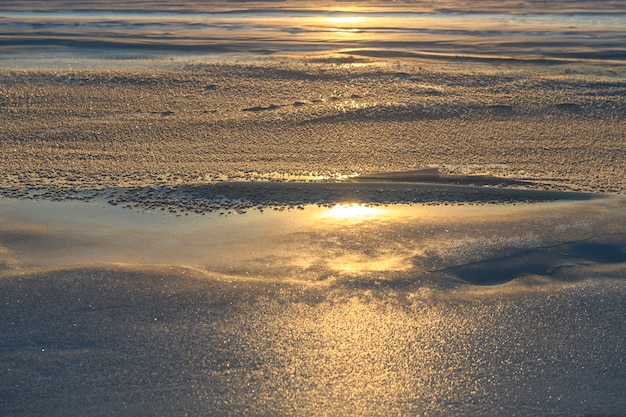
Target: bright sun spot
[
  {"x": 345, "y": 20},
  {"x": 353, "y": 211}
]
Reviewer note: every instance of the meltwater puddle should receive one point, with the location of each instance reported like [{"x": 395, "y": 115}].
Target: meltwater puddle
[{"x": 478, "y": 244}]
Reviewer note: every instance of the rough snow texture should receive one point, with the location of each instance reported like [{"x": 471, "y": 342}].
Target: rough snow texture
[{"x": 74, "y": 133}]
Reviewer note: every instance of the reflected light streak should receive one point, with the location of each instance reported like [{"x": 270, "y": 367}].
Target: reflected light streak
[
  {"x": 354, "y": 212},
  {"x": 345, "y": 20}
]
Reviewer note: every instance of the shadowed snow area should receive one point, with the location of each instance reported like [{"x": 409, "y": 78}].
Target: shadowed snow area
[{"x": 118, "y": 341}]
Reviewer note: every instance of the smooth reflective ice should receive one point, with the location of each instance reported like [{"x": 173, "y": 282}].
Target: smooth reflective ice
[{"x": 472, "y": 243}]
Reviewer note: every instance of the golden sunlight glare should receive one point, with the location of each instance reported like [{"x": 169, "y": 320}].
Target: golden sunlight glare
[
  {"x": 344, "y": 20},
  {"x": 353, "y": 211}
]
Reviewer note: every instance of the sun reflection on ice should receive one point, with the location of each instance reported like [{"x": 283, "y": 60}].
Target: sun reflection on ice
[
  {"x": 354, "y": 212},
  {"x": 353, "y": 250},
  {"x": 344, "y": 20}
]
